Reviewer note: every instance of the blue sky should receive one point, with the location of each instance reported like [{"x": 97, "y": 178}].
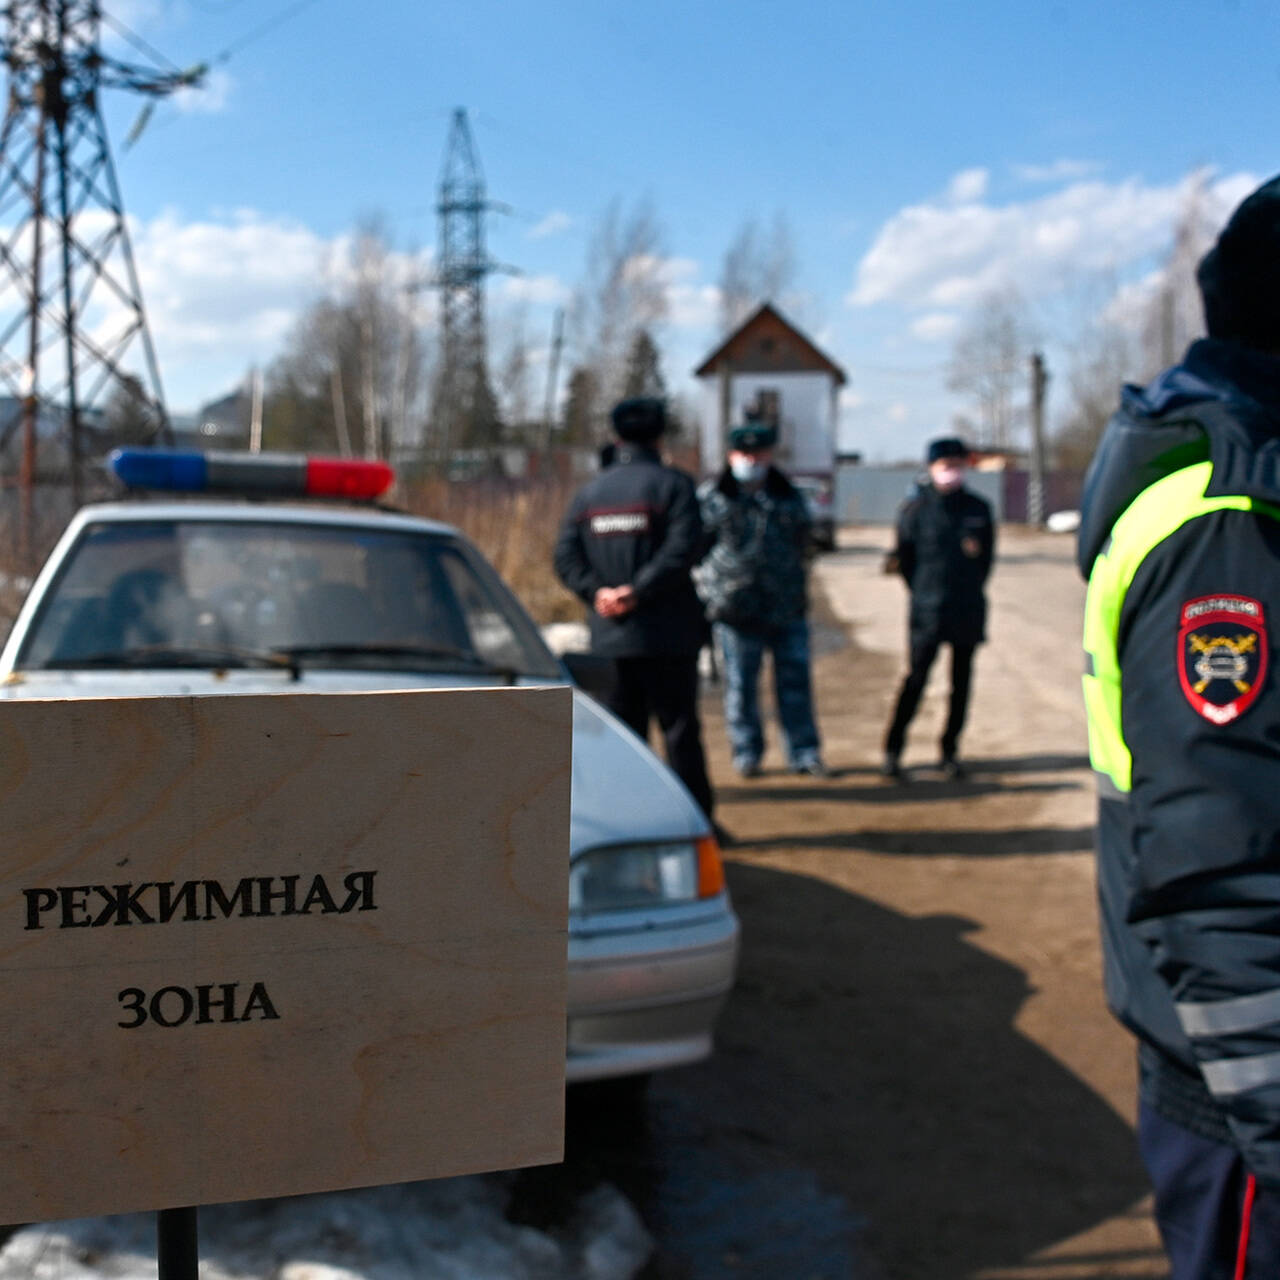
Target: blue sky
[{"x": 921, "y": 152}]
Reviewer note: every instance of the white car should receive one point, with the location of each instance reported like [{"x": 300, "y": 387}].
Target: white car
[{"x": 232, "y": 590}]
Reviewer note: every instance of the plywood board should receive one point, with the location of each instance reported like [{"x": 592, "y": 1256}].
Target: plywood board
[{"x": 256, "y": 946}]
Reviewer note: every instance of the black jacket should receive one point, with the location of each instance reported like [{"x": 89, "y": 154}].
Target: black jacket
[
  {"x": 1189, "y": 860},
  {"x": 636, "y": 523},
  {"x": 945, "y": 544}
]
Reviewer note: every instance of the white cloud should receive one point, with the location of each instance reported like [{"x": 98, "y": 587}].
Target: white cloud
[
  {"x": 221, "y": 296},
  {"x": 967, "y": 186},
  {"x": 694, "y": 306},
  {"x": 936, "y": 255},
  {"x": 1058, "y": 171},
  {"x": 546, "y": 289},
  {"x": 691, "y": 304},
  {"x": 936, "y": 326},
  {"x": 555, "y": 222},
  {"x": 208, "y": 97},
  {"x": 899, "y": 411}
]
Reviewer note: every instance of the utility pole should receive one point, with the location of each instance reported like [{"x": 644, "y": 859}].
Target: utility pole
[
  {"x": 255, "y": 412},
  {"x": 1035, "y": 481},
  {"x": 68, "y": 254},
  {"x": 465, "y": 408},
  {"x": 553, "y": 372}
]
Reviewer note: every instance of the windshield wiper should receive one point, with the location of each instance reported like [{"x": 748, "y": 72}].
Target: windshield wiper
[
  {"x": 435, "y": 654},
  {"x": 184, "y": 656}
]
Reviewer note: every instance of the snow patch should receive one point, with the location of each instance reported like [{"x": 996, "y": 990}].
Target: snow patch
[{"x": 452, "y": 1229}]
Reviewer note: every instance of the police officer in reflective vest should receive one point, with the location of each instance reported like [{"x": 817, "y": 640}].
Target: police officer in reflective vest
[
  {"x": 1180, "y": 541},
  {"x": 626, "y": 547}
]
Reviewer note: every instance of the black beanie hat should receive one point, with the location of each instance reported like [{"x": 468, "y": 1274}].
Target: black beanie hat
[
  {"x": 639, "y": 420},
  {"x": 1239, "y": 277}
]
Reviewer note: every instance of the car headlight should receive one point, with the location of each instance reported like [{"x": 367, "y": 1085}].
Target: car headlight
[{"x": 627, "y": 876}]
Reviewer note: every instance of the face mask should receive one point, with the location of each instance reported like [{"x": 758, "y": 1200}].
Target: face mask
[
  {"x": 747, "y": 471},
  {"x": 947, "y": 479}
]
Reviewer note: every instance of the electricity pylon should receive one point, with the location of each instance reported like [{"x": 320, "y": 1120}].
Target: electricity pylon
[
  {"x": 465, "y": 411},
  {"x": 70, "y": 304}
]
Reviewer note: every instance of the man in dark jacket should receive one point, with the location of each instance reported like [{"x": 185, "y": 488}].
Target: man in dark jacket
[
  {"x": 753, "y": 583},
  {"x": 1180, "y": 540},
  {"x": 945, "y": 544},
  {"x": 626, "y": 547}
]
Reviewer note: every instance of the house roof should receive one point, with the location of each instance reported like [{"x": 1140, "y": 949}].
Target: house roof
[{"x": 766, "y": 342}]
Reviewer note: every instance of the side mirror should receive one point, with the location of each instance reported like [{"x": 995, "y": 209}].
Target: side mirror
[{"x": 591, "y": 672}]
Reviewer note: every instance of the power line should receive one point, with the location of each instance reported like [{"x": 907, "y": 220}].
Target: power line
[
  {"x": 139, "y": 43},
  {"x": 263, "y": 28}
]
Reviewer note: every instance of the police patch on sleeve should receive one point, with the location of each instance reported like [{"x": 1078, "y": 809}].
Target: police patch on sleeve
[{"x": 1222, "y": 655}]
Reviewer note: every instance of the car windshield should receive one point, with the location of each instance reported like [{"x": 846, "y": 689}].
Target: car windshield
[{"x": 217, "y": 593}]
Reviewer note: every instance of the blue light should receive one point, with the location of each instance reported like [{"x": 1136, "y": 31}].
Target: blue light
[{"x": 160, "y": 469}]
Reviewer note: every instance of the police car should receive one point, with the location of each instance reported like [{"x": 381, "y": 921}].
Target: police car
[{"x": 230, "y": 584}]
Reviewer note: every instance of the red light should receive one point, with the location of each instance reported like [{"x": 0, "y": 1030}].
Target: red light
[{"x": 348, "y": 478}]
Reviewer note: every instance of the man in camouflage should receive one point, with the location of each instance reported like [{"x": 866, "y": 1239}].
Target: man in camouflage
[{"x": 753, "y": 586}]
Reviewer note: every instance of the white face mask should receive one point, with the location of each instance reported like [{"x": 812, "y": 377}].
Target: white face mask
[
  {"x": 747, "y": 470},
  {"x": 946, "y": 479}
]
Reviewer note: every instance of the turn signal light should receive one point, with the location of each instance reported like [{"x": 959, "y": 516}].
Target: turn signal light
[{"x": 710, "y": 868}]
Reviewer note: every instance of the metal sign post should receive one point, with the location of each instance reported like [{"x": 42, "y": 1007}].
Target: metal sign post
[{"x": 176, "y": 1248}]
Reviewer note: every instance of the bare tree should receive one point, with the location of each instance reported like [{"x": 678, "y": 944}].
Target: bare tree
[
  {"x": 583, "y": 412},
  {"x": 1174, "y": 317},
  {"x": 353, "y": 372},
  {"x": 513, "y": 374},
  {"x": 128, "y": 416},
  {"x": 1112, "y": 343},
  {"x": 644, "y": 368},
  {"x": 757, "y": 267},
  {"x": 623, "y": 291},
  {"x": 988, "y": 365}
]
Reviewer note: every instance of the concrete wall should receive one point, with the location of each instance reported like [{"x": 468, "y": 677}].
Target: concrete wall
[
  {"x": 872, "y": 495},
  {"x": 807, "y": 432}
]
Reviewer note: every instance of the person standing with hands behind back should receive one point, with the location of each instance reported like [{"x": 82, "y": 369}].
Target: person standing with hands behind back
[
  {"x": 626, "y": 547},
  {"x": 945, "y": 545}
]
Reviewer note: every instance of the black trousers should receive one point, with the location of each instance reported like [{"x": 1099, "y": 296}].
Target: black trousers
[
  {"x": 666, "y": 688},
  {"x": 924, "y": 649}
]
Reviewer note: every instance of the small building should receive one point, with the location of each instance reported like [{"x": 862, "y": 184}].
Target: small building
[{"x": 768, "y": 369}]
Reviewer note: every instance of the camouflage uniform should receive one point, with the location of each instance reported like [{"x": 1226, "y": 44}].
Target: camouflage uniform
[{"x": 752, "y": 581}]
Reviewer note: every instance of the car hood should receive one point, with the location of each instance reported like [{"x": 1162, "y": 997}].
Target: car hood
[{"x": 622, "y": 792}]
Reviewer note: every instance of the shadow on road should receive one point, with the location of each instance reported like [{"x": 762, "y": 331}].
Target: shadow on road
[
  {"x": 894, "y": 1069},
  {"x": 922, "y": 788},
  {"x": 1000, "y": 842},
  {"x": 871, "y": 1113}
]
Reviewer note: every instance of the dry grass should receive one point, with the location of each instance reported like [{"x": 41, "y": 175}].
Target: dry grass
[
  {"x": 515, "y": 527},
  {"x": 51, "y": 510}
]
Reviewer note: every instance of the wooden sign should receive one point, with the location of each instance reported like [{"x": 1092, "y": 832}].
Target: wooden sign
[{"x": 256, "y": 946}]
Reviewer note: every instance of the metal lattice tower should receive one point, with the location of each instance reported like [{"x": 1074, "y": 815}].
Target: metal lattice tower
[
  {"x": 70, "y": 305},
  {"x": 465, "y": 412}
]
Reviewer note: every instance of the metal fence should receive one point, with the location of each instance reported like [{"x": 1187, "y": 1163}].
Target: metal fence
[{"x": 872, "y": 495}]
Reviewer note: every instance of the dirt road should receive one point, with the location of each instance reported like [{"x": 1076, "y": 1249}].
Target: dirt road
[{"x": 919, "y": 1026}]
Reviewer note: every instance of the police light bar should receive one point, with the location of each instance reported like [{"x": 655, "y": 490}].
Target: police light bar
[{"x": 223, "y": 471}]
